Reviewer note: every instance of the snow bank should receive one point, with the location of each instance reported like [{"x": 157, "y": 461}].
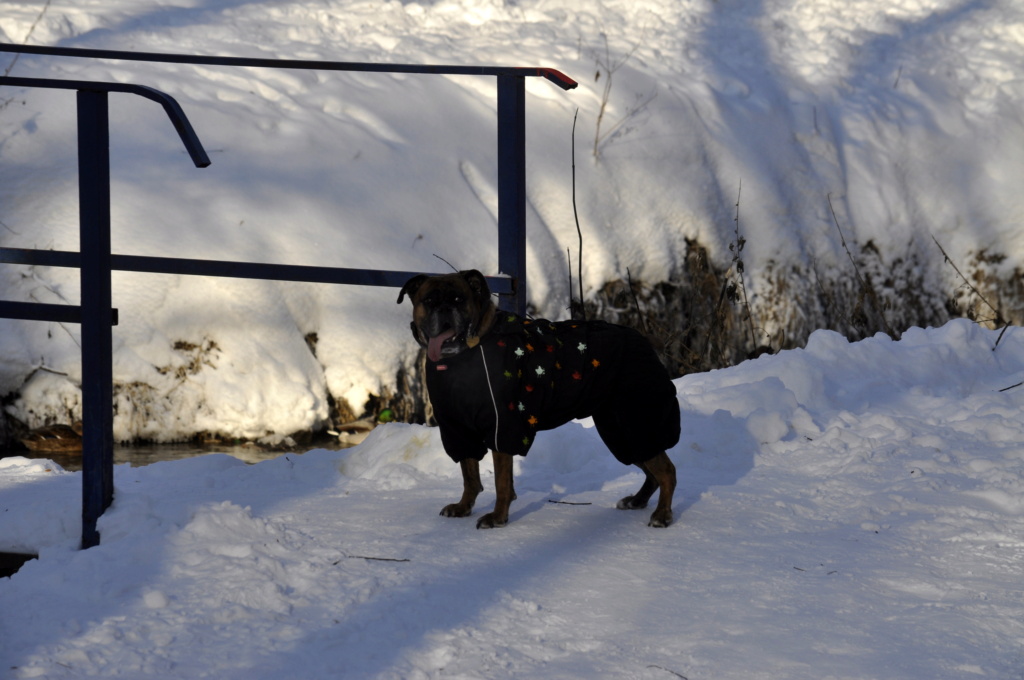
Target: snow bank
[
  {"x": 845, "y": 510},
  {"x": 907, "y": 115}
]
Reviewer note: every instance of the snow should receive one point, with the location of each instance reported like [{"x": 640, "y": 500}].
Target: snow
[
  {"x": 906, "y": 115},
  {"x": 847, "y": 510}
]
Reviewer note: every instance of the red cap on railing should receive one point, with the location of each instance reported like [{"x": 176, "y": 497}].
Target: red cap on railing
[{"x": 558, "y": 78}]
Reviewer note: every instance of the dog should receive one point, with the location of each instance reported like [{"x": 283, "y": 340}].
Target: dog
[{"x": 495, "y": 379}]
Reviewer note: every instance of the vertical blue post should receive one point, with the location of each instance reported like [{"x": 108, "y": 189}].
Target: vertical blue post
[
  {"x": 512, "y": 188},
  {"x": 97, "y": 313}
]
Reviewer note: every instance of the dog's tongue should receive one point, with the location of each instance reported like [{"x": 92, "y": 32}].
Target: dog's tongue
[{"x": 434, "y": 344}]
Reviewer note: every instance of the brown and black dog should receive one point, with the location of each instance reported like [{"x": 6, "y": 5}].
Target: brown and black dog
[{"x": 495, "y": 379}]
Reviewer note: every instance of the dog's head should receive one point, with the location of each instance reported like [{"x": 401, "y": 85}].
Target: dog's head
[{"x": 451, "y": 312}]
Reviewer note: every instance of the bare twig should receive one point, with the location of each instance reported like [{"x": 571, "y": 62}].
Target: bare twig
[
  {"x": 46, "y": 369},
  {"x": 668, "y": 670},
  {"x": 28, "y": 35},
  {"x": 999, "y": 317},
  {"x": 636, "y": 303},
  {"x": 1001, "y": 334},
  {"x": 53, "y": 289},
  {"x": 604, "y": 95},
  {"x": 32, "y": 29},
  {"x": 610, "y": 68},
  {"x": 728, "y": 289},
  {"x": 8, "y": 228},
  {"x": 374, "y": 559},
  {"x": 640, "y": 106},
  {"x": 714, "y": 320},
  {"x": 842, "y": 239},
  {"x": 550, "y": 500},
  {"x": 579, "y": 232},
  {"x": 454, "y": 268},
  {"x": 865, "y": 289},
  {"x": 739, "y": 243},
  {"x": 568, "y": 261}
]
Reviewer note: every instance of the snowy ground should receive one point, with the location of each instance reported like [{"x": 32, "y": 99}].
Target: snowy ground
[
  {"x": 845, "y": 511},
  {"x": 908, "y": 113}
]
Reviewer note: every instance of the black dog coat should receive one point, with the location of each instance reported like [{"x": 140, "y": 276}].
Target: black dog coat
[{"x": 532, "y": 375}]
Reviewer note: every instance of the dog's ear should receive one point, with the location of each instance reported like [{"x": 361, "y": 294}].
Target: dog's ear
[
  {"x": 484, "y": 318},
  {"x": 478, "y": 284},
  {"x": 416, "y": 334},
  {"x": 411, "y": 286}
]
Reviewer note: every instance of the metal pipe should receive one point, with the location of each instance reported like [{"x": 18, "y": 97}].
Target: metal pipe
[
  {"x": 558, "y": 78},
  {"x": 97, "y": 345},
  {"x": 512, "y": 187},
  {"x": 503, "y": 285}
]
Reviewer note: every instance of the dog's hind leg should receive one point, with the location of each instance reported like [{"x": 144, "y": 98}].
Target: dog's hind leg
[
  {"x": 664, "y": 472},
  {"x": 471, "y": 488},
  {"x": 660, "y": 474},
  {"x": 504, "y": 490}
]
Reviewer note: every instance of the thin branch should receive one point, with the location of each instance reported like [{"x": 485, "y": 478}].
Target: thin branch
[
  {"x": 1001, "y": 334},
  {"x": 740, "y": 242},
  {"x": 629, "y": 114},
  {"x": 999, "y": 317},
  {"x": 607, "y": 91},
  {"x": 576, "y": 215},
  {"x": 46, "y": 369},
  {"x": 8, "y": 228},
  {"x": 374, "y": 559},
  {"x": 28, "y": 35},
  {"x": 454, "y": 269},
  {"x": 862, "y": 284},
  {"x": 610, "y": 68},
  {"x": 636, "y": 303},
  {"x": 842, "y": 240},
  {"x": 714, "y": 320},
  {"x": 568, "y": 261}
]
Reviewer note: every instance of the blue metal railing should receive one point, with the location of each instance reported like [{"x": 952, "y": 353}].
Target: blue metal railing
[{"x": 96, "y": 261}]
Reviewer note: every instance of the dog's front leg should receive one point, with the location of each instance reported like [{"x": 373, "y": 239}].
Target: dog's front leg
[
  {"x": 638, "y": 501},
  {"x": 505, "y": 492},
  {"x": 471, "y": 488}
]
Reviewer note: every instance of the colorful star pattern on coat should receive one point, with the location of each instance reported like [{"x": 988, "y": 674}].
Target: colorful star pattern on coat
[
  {"x": 539, "y": 374},
  {"x": 535, "y": 369}
]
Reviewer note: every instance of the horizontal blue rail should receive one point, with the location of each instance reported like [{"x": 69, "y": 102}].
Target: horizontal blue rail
[
  {"x": 557, "y": 77},
  {"x": 96, "y": 261},
  {"x": 502, "y": 285}
]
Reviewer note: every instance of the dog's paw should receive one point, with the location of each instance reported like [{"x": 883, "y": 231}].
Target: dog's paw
[
  {"x": 491, "y": 521},
  {"x": 456, "y": 510},
  {"x": 660, "y": 519},
  {"x": 631, "y": 503}
]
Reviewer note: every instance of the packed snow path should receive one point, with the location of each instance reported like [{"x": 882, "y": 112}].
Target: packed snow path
[{"x": 845, "y": 511}]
